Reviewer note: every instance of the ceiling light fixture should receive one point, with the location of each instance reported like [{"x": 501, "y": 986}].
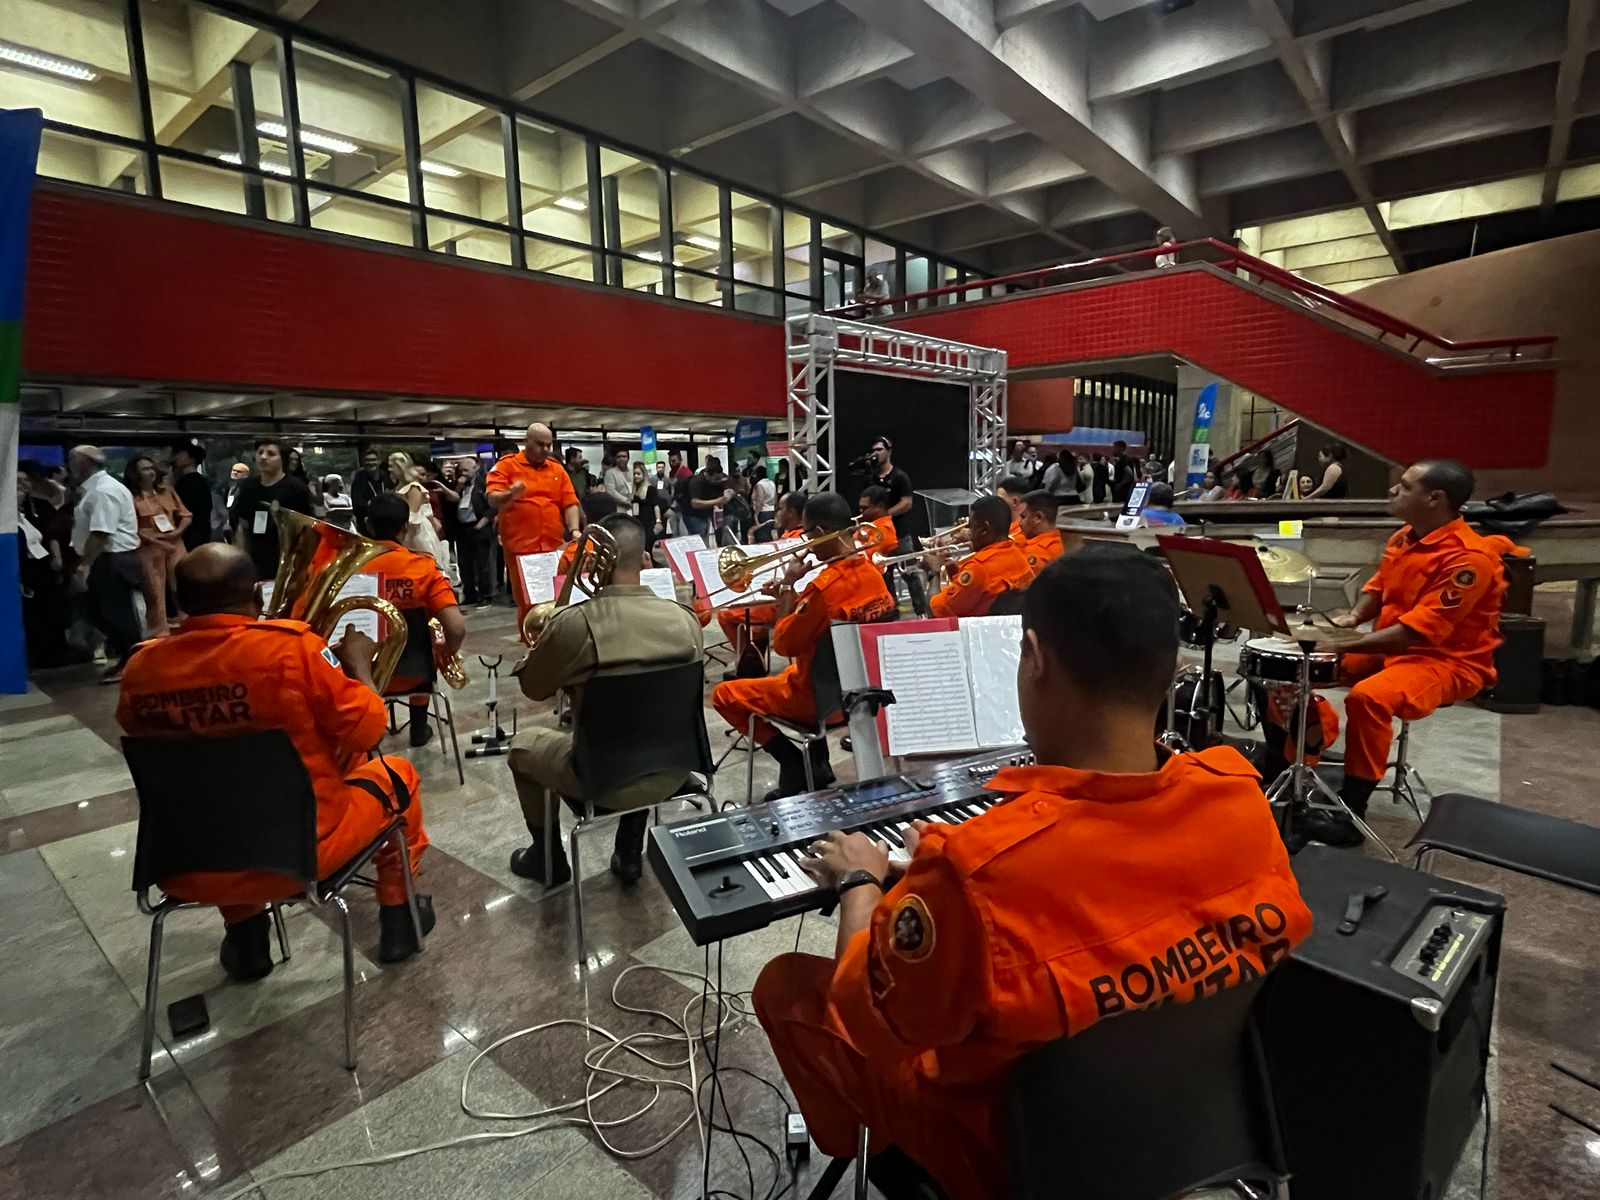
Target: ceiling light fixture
[
  {"x": 705, "y": 243},
  {"x": 650, "y": 255},
  {"x": 571, "y": 204},
  {"x": 430, "y": 167},
  {"x": 271, "y": 168},
  {"x": 65, "y": 67},
  {"x": 308, "y": 137}
]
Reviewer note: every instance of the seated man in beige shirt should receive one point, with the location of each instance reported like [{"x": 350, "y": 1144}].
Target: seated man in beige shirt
[{"x": 625, "y": 626}]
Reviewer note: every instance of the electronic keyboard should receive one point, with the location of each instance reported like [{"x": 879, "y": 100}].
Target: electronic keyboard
[{"x": 739, "y": 870}]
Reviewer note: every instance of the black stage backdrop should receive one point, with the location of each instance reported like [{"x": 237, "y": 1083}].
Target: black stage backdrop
[{"x": 927, "y": 422}]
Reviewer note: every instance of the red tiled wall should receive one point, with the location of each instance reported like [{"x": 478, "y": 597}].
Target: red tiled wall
[
  {"x": 1040, "y": 405},
  {"x": 122, "y": 291},
  {"x": 1375, "y": 398}
]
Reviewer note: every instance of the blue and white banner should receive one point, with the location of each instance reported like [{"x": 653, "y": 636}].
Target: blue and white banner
[{"x": 1205, "y": 408}]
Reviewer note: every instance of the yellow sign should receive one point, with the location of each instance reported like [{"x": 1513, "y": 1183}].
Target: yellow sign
[{"x": 1291, "y": 529}]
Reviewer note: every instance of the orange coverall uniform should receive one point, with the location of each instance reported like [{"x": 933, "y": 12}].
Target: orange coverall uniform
[
  {"x": 225, "y": 674},
  {"x": 1041, "y": 549},
  {"x": 986, "y": 949},
  {"x": 1447, "y": 586},
  {"x": 535, "y": 522},
  {"x": 411, "y": 580},
  {"x": 999, "y": 567},
  {"x": 850, "y": 590}
]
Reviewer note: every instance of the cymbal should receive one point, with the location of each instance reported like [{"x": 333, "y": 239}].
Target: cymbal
[
  {"x": 1319, "y": 630},
  {"x": 1283, "y": 565}
]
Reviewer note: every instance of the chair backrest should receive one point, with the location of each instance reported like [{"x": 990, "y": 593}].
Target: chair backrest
[
  {"x": 416, "y": 661},
  {"x": 1007, "y": 604},
  {"x": 237, "y": 803},
  {"x": 826, "y": 691},
  {"x": 1146, "y": 1106},
  {"x": 641, "y": 722}
]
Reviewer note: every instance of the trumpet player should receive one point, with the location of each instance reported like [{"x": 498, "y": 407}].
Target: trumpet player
[
  {"x": 226, "y": 671},
  {"x": 1041, "y": 540},
  {"x": 412, "y": 581},
  {"x": 625, "y": 625},
  {"x": 996, "y": 565},
  {"x": 850, "y": 589},
  {"x": 751, "y": 624}
]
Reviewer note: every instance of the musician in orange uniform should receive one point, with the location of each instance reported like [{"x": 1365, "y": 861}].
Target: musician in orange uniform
[
  {"x": 1436, "y": 597},
  {"x": 873, "y": 504},
  {"x": 985, "y": 948},
  {"x": 1013, "y": 489},
  {"x": 996, "y": 564},
  {"x": 751, "y": 624},
  {"x": 225, "y": 672},
  {"x": 412, "y": 581},
  {"x": 849, "y": 590},
  {"x": 1041, "y": 540},
  {"x": 532, "y": 493}
]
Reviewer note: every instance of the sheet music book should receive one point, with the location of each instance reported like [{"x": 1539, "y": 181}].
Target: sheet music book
[
  {"x": 955, "y": 683},
  {"x": 679, "y": 550},
  {"x": 363, "y": 619},
  {"x": 657, "y": 579},
  {"x": 708, "y": 583},
  {"x": 538, "y": 575}
]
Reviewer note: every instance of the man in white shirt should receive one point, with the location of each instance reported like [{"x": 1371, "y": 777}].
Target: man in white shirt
[
  {"x": 764, "y": 499},
  {"x": 618, "y": 482},
  {"x": 105, "y": 536}
]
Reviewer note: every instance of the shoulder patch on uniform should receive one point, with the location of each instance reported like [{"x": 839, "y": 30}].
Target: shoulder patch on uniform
[
  {"x": 1450, "y": 598},
  {"x": 331, "y": 658},
  {"x": 1466, "y": 577},
  {"x": 911, "y": 934},
  {"x": 964, "y": 579}
]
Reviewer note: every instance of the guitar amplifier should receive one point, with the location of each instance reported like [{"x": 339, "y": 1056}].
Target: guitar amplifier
[{"x": 1378, "y": 1038}]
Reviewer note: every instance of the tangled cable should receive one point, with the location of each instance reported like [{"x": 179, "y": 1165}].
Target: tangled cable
[{"x": 689, "y": 1032}]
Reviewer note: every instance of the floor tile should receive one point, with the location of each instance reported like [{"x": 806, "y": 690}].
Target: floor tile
[
  {"x": 32, "y": 698},
  {"x": 21, "y": 730}
]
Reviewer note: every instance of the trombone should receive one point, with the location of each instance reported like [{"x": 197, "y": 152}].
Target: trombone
[
  {"x": 942, "y": 544},
  {"x": 737, "y": 568},
  {"x": 594, "y": 561}
]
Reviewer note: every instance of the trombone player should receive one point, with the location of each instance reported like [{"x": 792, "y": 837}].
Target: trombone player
[
  {"x": 625, "y": 625},
  {"x": 227, "y": 671},
  {"x": 848, "y": 589}
]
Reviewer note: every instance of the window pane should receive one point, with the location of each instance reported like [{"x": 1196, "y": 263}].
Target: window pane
[
  {"x": 556, "y": 259},
  {"x": 360, "y": 218},
  {"x": 80, "y": 160},
  {"x": 77, "y": 68},
  {"x": 469, "y": 241},
  {"x": 699, "y": 288},
  {"x": 632, "y": 212},
  {"x": 463, "y": 161},
  {"x": 918, "y": 278},
  {"x": 350, "y": 124},
  {"x": 797, "y": 253},
  {"x": 553, "y": 170},
  {"x": 752, "y": 241},
  {"x": 189, "y": 54},
  {"x": 754, "y": 300},
  {"x": 696, "y": 223},
  {"x": 222, "y": 189}
]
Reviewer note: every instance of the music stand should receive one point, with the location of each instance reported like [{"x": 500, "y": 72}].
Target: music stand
[{"x": 1217, "y": 577}]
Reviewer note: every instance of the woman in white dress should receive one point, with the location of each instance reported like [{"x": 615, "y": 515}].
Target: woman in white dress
[{"x": 422, "y": 532}]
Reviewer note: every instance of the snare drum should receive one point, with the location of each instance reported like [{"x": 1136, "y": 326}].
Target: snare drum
[{"x": 1273, "y": 660}]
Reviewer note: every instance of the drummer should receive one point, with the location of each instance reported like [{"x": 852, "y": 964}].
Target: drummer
[{"x": 1436, "y": 599}]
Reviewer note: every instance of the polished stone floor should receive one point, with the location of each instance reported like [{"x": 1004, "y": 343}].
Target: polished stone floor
[{"x": 262, "y": 1094}]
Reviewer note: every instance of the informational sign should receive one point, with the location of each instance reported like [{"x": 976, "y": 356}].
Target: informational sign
[
  {"x": 1130, "y": 517},
  {"x": 647, "y": 445},
  {"x": 1205, "y": 408},
  {"x": 748, "y": 436},
  {"x": 1291, "y": 529}
]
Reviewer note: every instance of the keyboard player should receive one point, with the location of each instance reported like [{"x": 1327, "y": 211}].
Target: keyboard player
[{"x": 1110, "y": 876}]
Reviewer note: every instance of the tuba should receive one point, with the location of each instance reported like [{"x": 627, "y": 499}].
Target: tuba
[
  {"x": 593, "y": 562},
  {"x": 315, "y": 561}
]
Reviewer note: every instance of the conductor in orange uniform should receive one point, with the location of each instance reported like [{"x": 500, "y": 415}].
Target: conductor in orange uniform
[
  {"x": 1041, "y": 540},
  {"x": 985, "y": 948},
  {"x": 532, "y": 495},
  {"x": 849, "y": 590},
  {"x": 1436, "y": 597},
  {"x": 996, "y": 565},
  {"x": 227, "y": 671},
  {"x": 412, "y": 581}
]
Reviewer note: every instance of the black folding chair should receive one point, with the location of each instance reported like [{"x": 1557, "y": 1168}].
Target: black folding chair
[
  {"x": 1007, "y": 604},
  {"x": 264, "y": 819},
  {"x": 827, "y": 698},
  {"x": 416, "y": 662},
  {"x": 1531, "y": 843},
  {"x": 629, "y": 725},
  {"x": 1147, "y": 1106}
]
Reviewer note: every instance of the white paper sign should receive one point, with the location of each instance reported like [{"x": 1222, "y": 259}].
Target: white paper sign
[
  {"x": 994, "y": 648},
  {"x": 163, "y": 523},
  {"x": 932, "y": 709},
  {"x": 259, "y": 524},
  {"x": 539, "y": 575}
]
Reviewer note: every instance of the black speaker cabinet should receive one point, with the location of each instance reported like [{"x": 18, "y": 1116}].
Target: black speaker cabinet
[
  {"x": 1516, "y": 665},
  {"x": 1378, "y": 1040}
]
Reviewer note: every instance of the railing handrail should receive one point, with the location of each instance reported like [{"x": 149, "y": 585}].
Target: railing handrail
[{"x": 1233, "y": 259}]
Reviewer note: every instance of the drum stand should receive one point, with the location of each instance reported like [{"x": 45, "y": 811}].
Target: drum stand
[
  {"x": 1290, "y": 785},
  {"x": 1200, "y": 708}
]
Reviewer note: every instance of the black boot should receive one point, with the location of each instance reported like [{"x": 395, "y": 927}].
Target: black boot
[
  {"x": 246, "y": 949},
  {"x": 421, "y": 730},
  {"x": 529, "y": 863},
  {"x": 397, "y": 938},
  {"x": 821, "y": 772},
  {"x": 627, "y": 851},
  {"x": 1334, "y": 828},
  {"x": 791, "y": 767}
]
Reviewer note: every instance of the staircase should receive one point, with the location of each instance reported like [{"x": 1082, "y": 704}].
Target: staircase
[{"x": 1385, "y": 385}]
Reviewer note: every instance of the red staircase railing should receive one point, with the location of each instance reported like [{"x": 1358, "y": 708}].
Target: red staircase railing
[{"x": 1372, "y": 322}]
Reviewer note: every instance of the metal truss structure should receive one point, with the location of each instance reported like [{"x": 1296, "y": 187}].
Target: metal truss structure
[{"x": 820, "y": 345}]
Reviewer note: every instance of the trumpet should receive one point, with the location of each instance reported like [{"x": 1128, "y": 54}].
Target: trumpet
[
  {"x": 943, "y": 552},
  {"x": 737, "y": 568},
  {"x": 594, "y": 561}
]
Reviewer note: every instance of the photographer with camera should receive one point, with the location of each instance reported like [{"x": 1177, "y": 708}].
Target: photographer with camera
[{"x": 878, "y": 463}]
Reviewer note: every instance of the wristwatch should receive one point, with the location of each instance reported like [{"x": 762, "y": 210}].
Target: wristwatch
[{"x": 856, "y": 878}]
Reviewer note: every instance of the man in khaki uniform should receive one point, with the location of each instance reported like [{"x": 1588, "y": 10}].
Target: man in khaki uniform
[{"x": 625, "y": 626}]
